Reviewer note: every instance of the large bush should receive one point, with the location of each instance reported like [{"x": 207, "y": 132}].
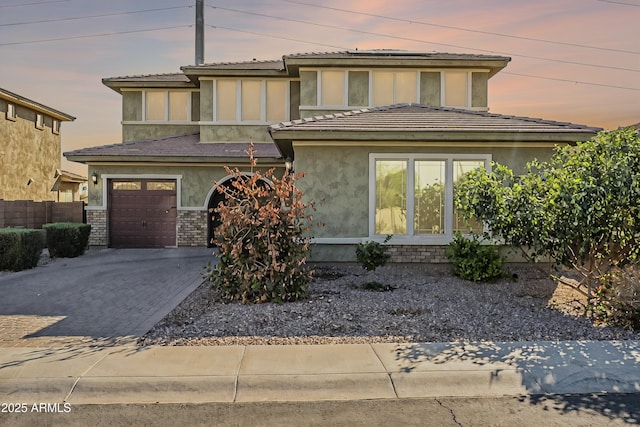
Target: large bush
[
  {"x": 20, "y": 248},
  {"x": 580, "y": 209},
  {"x": 67, "y": 239},
  {"x": 262, "y": 239}
]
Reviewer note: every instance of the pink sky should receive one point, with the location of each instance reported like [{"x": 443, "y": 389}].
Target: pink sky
[{"x": 596, "y": 85}]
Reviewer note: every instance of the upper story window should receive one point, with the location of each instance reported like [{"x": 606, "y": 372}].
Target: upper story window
[
  {"x": 55, "y": 127},
  {"x": 167, "y": 106},
  {"x": 11, "y": 112},
  {"x": 455, "y": 91},
  {"x": 39, "y": 121},
  {"x": 389, "y": 87},
  {"x": 332, "y": 88},
  {"x": 251, "y": 101}
]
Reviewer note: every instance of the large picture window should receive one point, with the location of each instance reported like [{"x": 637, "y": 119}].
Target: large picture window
[
  {"x": 391, "y": 87},
  {"x": 412, "y": 195}
]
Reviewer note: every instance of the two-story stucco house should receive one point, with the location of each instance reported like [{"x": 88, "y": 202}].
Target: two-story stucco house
[
  {"x": 381, "y": 136},
  {"x": 30, "y": 146}
]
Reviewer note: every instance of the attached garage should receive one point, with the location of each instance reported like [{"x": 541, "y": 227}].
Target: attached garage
[{"x": 142, "y": 213}]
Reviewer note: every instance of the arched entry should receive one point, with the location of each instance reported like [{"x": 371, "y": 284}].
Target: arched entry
[{"x": 217, "y": 197}]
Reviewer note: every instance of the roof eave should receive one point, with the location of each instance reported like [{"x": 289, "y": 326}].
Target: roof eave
[
  {"x": 25, "y": 102},
  {"x": 118, "y": 85}
]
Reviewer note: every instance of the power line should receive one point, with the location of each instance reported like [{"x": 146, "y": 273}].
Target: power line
[
  {"x": 409, "y": 21},
  {"x": 571, "y": 81},
  {"x": 92, "y": 16},
  {"x": 94, "y": 35},
  {"x": 502, "y": 72},
  {"x": 619, "y": 2},
  {"x": 275, "y": 37},
  {"x": 424, "y": 41},
  {"x": 35, "y": 3}
]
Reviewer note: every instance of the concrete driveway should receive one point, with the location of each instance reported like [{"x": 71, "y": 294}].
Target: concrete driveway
[{"x": 106, "y": 294}]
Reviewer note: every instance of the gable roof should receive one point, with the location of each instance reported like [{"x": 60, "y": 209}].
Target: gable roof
[
  {"x": 41, "y": 108},
  {"x": 184, "y": 148}
]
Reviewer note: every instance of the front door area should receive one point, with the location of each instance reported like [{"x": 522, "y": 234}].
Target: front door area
[{"x": 142, "y": 213}]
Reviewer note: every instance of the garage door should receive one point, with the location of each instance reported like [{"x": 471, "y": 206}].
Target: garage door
[{"x": 142, "y": 213}]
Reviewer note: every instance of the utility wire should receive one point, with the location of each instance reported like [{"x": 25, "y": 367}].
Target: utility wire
[
  {"x": 93, "y": 16},
  {"x": 409, "y": 21},
  {"x": 275, "y": 37},
  {"x": 95, "y": 35},
  {"x": 619, "y": 2},
  {"x": 424, "y": 41},
  {"x": 571, "y": 81},
  {"x": 33, "y": 4},
  {"x": 502, "y": 72}
]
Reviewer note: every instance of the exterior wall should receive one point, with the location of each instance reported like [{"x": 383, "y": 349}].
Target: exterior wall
[
  {"x": 308, "y": 88},
  {"x": 479, "y": 90},
  {"x": 359, "y": 88},
  {"x": 399, "y": 253},
  {"x": 99, "y": 227},
  {"x": 337, "y": 179},
  {"x": 214, "y": 133},
  {"x": 430, "y": 89},
  {"x": 29, "y": 156},
  {"x": 139, "y": 132},
  {"x": 192, "y": 228},
  {"x": 132, "y": 106}
]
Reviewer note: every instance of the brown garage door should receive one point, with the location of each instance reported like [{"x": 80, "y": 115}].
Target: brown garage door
[{"x": 142, "y": 213}]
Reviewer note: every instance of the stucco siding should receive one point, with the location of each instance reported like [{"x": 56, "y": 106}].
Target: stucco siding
[
  {"x": 140, "y": 132},
  {"x": 308, "y": 88},
  {"x": 243, "y": 133},
  {"x": 206, "y": 100},
  {"x": 430, "y": 88},
  {"x": 359, "y": 88},
  {"x": 132, "y": 106},
  {"x": 29, "y": 156},
  {"x": 479, "y": 88}
]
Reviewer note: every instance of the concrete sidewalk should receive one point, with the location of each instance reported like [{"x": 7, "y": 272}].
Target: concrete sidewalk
[{"x": 129, "y": 374}]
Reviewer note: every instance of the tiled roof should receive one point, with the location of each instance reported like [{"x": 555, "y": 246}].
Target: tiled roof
[
  {"x": 394, "y": 53},
  {"x": 172, "y": 77},
  {"x": 422, "y": 118},
  {"x": 185, "y": 146},
  {"x": 244, "y": 65}
]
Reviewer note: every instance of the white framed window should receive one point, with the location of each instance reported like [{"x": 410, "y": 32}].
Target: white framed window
[
  {"x": 55, "y": 127},
  {"x": 332, "y": 88},
  {"x": 394, "y": 87},
  {"x": 411, "y": 195},
  {"x": 456, "y": 89},
  {"x": 11, "y": 112},
  {"x": 251, "y": 101},
  {"x": 39, "y": 121},
  {"x": 166, "y": 106}
]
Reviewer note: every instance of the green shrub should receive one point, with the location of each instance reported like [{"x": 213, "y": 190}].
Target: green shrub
[
  {"x": 20, "y": 248},
  {"x": 473, "y": 261},
  {"x": 617, "y": 300},
  {"x": 371, "y": 255},
  {"x": 262, "y": 239},
  {"x": 67, "y": 239}
]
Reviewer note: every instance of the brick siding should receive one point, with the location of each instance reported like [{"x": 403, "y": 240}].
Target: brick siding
[
  {"x": 416, "y": 253},
  {"x": 99, "y": 232},
  {"x": 192, "y": 228}
]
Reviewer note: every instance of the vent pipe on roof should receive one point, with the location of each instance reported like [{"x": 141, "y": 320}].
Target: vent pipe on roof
[{"x": 199, "y": 32}]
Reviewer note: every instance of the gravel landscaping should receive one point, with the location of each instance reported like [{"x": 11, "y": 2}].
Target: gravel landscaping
[{"x": 418, "y": 303}]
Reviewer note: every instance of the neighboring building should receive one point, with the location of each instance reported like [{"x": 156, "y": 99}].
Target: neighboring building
[
  {"x": 30, "y": 146},
  {"x": 380, "y": 135},
  {"x": 69, "y": 187}
]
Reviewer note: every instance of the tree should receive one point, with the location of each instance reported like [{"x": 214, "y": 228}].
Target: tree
[
  {"x": 581, "y": 208},
  {"x": 262, "y": 238}
]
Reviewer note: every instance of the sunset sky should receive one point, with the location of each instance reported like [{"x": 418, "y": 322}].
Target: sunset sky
[{"x": 572, "y": 60}]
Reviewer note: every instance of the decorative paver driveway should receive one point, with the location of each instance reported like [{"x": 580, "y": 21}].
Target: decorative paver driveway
[{"x": 112, "y": 295}]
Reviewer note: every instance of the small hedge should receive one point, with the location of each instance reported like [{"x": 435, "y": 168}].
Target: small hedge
[
  {"x": 473, "y": 261},
  {"x": 20, "y": 248},
  {"x": 67, "y": 239}
]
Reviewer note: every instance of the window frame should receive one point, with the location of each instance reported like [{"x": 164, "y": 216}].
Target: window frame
[
  {"x": 411, "y": 158},
  {"x": 469, "y": 88},
  {"x": 239, "y": 101},
  {"x": 166, "y": 106},
  {"x": 39, "y": 121},
  {"x": 55, "y": 126},
  {"x": 11, "y": 113}
]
